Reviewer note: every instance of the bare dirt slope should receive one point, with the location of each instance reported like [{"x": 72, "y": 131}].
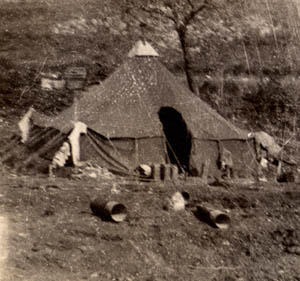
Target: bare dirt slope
[{"x": 53, "y": 235}]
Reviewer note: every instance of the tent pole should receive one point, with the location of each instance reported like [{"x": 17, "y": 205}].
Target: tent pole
[
  {"x": 136, "y": 148},
  {"x": 175, "y": 156},
  {"x": 166, "y": 145},
  {"x": 75, "y": 113}
]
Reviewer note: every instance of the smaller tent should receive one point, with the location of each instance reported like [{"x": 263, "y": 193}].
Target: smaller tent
[{"x": 141, "y": 114}]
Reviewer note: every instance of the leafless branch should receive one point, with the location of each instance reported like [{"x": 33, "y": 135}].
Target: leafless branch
[
  {"x": 38, "y": 75},
  {"x": 134, "y": 16},
  {"x": 217, "y": 9},
  {"x": 190, "y": 16},
  {"x": 159, "y": 12},
  {"x": 191, "y": 4}
]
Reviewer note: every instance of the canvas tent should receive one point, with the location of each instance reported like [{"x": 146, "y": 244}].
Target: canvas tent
[{"x": 141, "y": 114}]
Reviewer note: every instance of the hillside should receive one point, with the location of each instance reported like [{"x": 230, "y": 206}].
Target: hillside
[{"x": 243, "y": 55}]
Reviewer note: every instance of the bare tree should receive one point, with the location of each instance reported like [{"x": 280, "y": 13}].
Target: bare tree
[{"x": 182, "y": 14}]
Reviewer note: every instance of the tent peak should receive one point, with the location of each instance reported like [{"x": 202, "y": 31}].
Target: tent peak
[{"x": 142, "y": 49}]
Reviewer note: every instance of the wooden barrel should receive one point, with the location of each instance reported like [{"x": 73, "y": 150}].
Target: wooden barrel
[{"x": 156, "y": 172}]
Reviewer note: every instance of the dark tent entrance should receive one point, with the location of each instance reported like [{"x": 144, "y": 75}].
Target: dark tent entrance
[{"x": 178, "y": 138}]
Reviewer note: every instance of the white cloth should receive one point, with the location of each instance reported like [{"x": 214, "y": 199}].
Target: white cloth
[
  {"x": 62, "y": 155},
  {"x": 24, "y": 125},
  {"x": 74, "y": 137},
  {"x": 267, "y": 142}
]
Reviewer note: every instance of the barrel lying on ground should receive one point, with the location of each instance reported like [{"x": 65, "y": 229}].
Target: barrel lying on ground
[
  {"x": 216, "y": 217},
  {"x": 109, "y": 210}
]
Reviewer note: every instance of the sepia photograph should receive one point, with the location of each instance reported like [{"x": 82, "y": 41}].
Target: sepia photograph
[{"x": 149, "y": 140}]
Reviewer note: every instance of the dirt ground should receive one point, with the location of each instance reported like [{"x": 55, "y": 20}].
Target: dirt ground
[{"x": 50, "y": 233}]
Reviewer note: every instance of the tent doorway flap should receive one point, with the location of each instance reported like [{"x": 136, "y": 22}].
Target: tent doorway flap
[{"x": 178, "y": 137}]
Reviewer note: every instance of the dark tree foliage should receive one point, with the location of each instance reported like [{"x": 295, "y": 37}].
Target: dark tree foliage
[{"x": 271, "y": 105}]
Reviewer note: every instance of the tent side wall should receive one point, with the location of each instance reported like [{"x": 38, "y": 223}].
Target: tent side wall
[
  {"x": 121, "y": 154},
  {"x": 207, "y": 152},
  {"x": 151, "y": 150},
  {"x": 244, "y": 157},
  {"x": 125, "y": 154}
]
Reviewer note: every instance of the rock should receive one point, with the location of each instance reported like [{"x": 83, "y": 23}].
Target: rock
[
  {"x": 115, "y": 189},
  {"x": 294, "y": 250},
  {"x": 23, "y": 235},
  {"x": 226, "y": 243},
  {"x": 93, "y": 171},
  {"x": 94, "y": 275},
  {"x": 176, "y": 202},
  {"x": 93, "y": 175},
  {"x": 35, "y": 249},
  {"x": 47, "y": 213}
]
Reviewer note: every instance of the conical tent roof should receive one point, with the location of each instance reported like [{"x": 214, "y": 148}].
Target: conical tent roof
[
  {"x": 142, "y": 49},
  {"x": 127, "y": 103}
]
